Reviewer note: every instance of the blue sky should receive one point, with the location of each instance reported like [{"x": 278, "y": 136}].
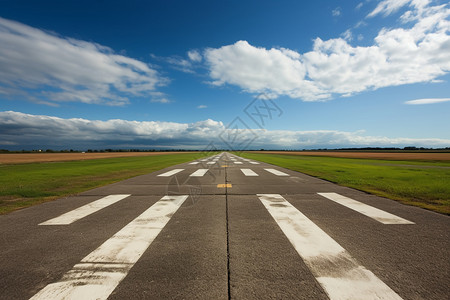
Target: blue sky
[{"x": 191, "y": 74}]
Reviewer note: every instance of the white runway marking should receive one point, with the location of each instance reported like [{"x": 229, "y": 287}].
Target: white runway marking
[
  {"x": 210, "y": 162},
  {"x": 276, "y": 172},
  {"x": 199, "y": 173},
  {"x": 254, "y": 163},
  {"x": 83, "y": 211},
  {"x": 249, "y": 172},
  {"x": 341, "y": 276},
  {"x": 238, "y": 162},
  {"x": 194, "y": 163},
  {"x": 170, "y": 173},
  {"x": 99, "y": 273},
  {"x": 372, "y": 212}
]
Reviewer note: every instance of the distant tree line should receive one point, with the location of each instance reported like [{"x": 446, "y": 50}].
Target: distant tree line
[
  {"x": 409, "y": 148},
  {"x": 91, "y": 150},
  {"x": 375, "y": 149}
]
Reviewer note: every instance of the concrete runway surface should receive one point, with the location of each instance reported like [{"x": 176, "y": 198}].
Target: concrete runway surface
[{"x": 224, "y": 227}]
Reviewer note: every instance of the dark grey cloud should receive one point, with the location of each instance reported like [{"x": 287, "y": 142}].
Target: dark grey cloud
[{"x": 25, "y": 131}]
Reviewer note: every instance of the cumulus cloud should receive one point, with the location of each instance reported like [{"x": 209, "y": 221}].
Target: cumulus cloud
[
  {"x": 258, "y": 70},
  {"x": 24, "y": 131},
  {"x": 427, "y": 101},
  {"x": 398, "y": 56},
  {"x": 42, "y": 66}
]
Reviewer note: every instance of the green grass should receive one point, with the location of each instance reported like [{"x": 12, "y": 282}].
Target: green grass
[
  {"x": 420, "y": 183},
  {"x": 23, "y": 185}
]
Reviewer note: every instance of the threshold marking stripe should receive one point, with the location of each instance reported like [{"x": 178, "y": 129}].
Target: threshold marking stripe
[
  {"x": 83, "y": 211},
  {"x": 210, "y": 162},
  {"x": 194, "y": 163},
  {"x": 340, "y": 275},
  {"x": 170, "y": 173},
  {"x": 254, "y": 163},
  {"x": 276, "y": 172},
  {"x": 99, "y": 273},
  {"x": 249, "y": 172},
  {"x": 199, "y": 173},
  {"x": 238, "y": 162},
  {"x": 367, "y": 210}
]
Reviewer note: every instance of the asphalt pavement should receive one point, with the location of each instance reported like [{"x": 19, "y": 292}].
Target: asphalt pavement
[{"x": 224, "y": 227}]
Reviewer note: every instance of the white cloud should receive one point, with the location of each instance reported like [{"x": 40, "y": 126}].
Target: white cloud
[
  {"x": 336, "y": 12},
  {"x": 53, "y": 69},
  {"x": 387, "y": 7},
  {"x": 398, "y": 56},
  {"x": 347, "y": 35},
  {"x": 195, "y": 56},
  {"x": 258, "y": 70},
  {"x": 182, "y": 64},
  {"x": 202, "y": 106},
  {"x": 427, "y": 101},
  {"x": 160, "y": 100},
  {"x": 21, "y": 130},
  {"x": 360, "y": 4}
]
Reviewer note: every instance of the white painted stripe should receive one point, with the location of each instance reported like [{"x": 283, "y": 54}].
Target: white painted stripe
[
  {"x": 199, "y": 173},
  {"x": 276, "y": 172},
  {"x": 210, "y": 162},
  {"x": 372, "y": 212},
  {"x": 340, "y": 275},
  {"x": 204, "y": 160},
  {"x": 249, "y": 172},
  {"x": 194, "y": 163},
  {"x": 170, "y": 173},
  {"x": 238, "y": 162},
  {"x": 99, "y": 273},
  {"x": 83, "y": 211},
  {"x": 254, "y": 163}
]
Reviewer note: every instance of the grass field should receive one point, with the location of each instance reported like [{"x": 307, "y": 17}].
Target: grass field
[
  {"x": 23, "y": 185},
  {"x": 415, "y": 182},
  {"x": 428, "y": 155},
  {"x": 22, "y": 158}
]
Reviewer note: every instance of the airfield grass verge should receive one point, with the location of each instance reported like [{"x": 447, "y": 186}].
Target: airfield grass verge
[
  {"x": 419, "y": 183},
  {"x": 23, "y": 185}
]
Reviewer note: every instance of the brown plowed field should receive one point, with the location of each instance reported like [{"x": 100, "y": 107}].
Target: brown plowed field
[
  {"x": 369, "y": 155},
  {"x": 20, "y": 158}
]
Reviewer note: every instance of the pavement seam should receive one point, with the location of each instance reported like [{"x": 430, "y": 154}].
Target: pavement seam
[{"x": 228, "y": 235}]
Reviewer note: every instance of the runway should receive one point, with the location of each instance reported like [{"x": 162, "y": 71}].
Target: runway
[{"x": 224, "y": 227}]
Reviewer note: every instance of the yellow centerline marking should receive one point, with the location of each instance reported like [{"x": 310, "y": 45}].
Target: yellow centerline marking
[{"x": 224, "y": 185}]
